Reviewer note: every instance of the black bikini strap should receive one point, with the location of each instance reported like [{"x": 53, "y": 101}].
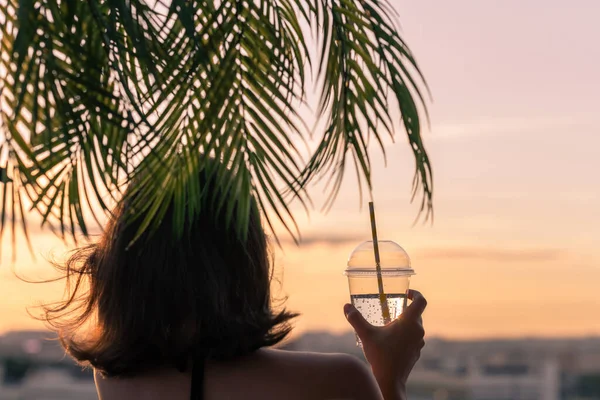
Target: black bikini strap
[{"x": 198, "y": 380}]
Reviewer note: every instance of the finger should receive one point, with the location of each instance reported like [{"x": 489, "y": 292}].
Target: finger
[
  {"x": 412, "y": 294},
  {"x": 362, "y": 328},
  {"x": 415, "y": 310}
]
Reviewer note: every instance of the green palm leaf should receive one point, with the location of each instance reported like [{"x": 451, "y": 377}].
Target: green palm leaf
[{"x": 97, "y": 93}]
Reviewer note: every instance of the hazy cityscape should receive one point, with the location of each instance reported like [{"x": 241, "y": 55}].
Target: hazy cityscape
[{"x": 33, "y": 366}]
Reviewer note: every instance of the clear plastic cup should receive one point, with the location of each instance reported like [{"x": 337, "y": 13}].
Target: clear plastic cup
[{"x": 363, "y": 282}]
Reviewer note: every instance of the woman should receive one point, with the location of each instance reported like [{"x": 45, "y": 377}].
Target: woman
[{"x": 190, "y": 317}]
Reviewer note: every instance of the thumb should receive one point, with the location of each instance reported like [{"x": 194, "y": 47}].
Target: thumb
[{"x": 362, "y": 328}]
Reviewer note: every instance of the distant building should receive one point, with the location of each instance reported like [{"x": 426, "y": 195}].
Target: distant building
[
  {"x": 37, "y": 345},
  {"x": 514, "y": 381},
  {"x": 50, "y": 384},
  {"x": 34, "y": 367}
]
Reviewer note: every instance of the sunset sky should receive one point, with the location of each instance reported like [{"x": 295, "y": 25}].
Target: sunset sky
[{"x": 514, "y": 142}]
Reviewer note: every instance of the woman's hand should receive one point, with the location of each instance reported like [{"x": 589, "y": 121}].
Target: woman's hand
[{"x": 392, "y": 350}]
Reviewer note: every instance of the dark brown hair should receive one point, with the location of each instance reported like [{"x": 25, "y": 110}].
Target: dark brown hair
[{"x": 163, "y": 299}]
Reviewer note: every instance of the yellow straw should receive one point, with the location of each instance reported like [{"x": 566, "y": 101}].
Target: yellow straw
[{"x": 382, "y": 297}]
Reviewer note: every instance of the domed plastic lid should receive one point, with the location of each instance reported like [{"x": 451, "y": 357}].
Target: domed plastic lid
[{"x": 393, "y": 259}]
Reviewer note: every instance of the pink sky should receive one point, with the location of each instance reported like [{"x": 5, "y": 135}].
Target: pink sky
[{"x": 514, "y": 142}]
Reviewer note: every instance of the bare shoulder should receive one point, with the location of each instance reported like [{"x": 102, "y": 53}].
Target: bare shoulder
[
  {"x": 266, "y": 374},
  {"x": 340, "y": 376},
  {"x": 159, "y": 384}
]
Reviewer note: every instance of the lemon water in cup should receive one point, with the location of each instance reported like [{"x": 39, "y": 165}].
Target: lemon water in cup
[{"x": 364, "y": 283}]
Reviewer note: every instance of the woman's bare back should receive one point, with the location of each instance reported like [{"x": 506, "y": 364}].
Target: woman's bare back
[{"x": 266, "y": 374}]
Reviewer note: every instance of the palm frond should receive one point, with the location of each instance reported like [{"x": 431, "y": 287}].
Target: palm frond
[
  {"x": 362, "y": 60},
  {"x": 97, "y": 93},
  {"x": 237, "y": 110}
]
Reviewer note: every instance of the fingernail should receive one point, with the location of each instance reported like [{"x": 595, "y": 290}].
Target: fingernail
[{"x": 347, "y": 309}]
